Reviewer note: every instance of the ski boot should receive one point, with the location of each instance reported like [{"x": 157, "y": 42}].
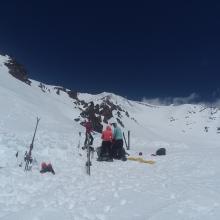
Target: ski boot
[{"x": 90, "y": 164}]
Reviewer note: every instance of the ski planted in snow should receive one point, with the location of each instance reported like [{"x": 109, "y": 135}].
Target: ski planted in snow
[
  {"x": 88, "y": 162},
  {"x": 28, "y": 157},
  {"x": 125, "y": 141},
  {"x": 79, "y": 144}
]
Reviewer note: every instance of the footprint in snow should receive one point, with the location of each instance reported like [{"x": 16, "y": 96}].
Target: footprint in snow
[
  {"x": 116, "y": 195},
  {"x": 92, "y": 199},
  {"x": 123, "y": 202},
  {"x": 107, "y": 208},
  {"x": 172, "y": 196},
  {"x": 71, "y": 206},
  {"x": 100, "y": 217}
]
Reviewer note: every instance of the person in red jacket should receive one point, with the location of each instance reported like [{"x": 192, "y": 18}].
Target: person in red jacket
[
  {"x": 89, "y": 138},
  {"x": 105, "y": 154}
]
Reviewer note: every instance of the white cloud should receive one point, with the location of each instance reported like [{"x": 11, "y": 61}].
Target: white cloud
[
  {"x": 215, "y": 103},
  {"x": 192, "y": 98}
]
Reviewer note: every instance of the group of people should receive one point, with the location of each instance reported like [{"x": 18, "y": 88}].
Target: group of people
[
  {"x": 111, "y": 148},
  {"x": 112, "y": 142}
]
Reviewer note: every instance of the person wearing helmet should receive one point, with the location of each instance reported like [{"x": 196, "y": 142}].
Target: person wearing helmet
[
  {"x": 118, "y": 152},
  {"x": 105, "y": 153}
]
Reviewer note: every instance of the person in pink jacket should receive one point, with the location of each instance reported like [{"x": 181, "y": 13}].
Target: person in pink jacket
[{"x": 106, "y": 154}]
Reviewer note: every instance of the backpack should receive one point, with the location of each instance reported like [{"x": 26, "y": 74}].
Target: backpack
[{"x": 161, "y": 151}]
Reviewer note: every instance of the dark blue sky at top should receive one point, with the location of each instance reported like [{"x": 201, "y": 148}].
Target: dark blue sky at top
[{"x": 132, "y": 48}]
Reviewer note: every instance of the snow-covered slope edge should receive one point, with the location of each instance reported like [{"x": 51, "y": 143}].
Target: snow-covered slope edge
[{"x": 170, "y": 123}]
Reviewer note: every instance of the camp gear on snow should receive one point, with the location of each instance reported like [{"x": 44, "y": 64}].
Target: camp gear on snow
[{"x": 46, "y": 168}]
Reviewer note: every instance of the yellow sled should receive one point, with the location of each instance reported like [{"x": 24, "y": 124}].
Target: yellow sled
[{"x": 141, "y": 160}]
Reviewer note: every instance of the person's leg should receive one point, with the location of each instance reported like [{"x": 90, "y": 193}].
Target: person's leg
[
  {"x": 102, "y": 151},
  {"x": 108, "y": 149},
  {"x": 91, "y": 139},
  {"x": 121, "y": 150},
  {"x": 114, "y": 152},
  {"x": 119, "y": 143},
  {"x": 111, "y": 150},
  {"x": 115, "y": 149},
  {"x": 86, "y": 139}
]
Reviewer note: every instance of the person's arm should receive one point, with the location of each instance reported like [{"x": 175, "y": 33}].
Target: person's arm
[
  {"x": 114, "y": 133},
  {"x": 111, "y": 136}
]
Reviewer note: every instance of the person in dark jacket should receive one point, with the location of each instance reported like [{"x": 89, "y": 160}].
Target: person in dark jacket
[{"x": 89, "y": 128}]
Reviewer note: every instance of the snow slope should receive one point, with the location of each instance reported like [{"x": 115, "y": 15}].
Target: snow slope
[{"x": 182, "y": 185}]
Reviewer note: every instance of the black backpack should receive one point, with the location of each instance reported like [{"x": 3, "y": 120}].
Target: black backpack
[{"x": 161, "y": 151}]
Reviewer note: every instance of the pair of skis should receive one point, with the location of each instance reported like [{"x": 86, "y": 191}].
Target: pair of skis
[
  {"x": 88, "y": 153},
  {"x": 88, "y": 162}
]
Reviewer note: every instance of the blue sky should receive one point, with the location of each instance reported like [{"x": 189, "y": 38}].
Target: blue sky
[{"x": 156, "y": 49}]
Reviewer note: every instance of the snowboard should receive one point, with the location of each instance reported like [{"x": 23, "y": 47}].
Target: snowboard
[{"x": 141, "y": 160}]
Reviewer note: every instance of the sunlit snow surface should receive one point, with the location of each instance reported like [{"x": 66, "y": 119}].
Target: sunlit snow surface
[{"x": 182, "y": 185}]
